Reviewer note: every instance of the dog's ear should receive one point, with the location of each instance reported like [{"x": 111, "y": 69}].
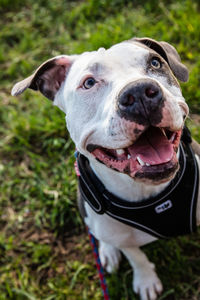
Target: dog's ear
[
  {"x": 47, "y": 78},
  {"x": 169, "y": 53}
]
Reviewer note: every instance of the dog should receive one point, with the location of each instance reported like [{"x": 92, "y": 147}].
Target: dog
[{"x": 125, "y": 113}]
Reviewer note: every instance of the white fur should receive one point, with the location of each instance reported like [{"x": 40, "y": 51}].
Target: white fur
[
  {"x": 91, "y": 117},
  {"x": 109, "y": 256},
  {"x": 146, "y": 282},
  {"x": 91, "y": 114}
]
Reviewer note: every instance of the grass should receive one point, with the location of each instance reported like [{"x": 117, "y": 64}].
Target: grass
[{"x": 44, "y": 251}]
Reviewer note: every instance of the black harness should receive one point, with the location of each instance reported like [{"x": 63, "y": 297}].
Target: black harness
[{"x": 171, "y": 213}]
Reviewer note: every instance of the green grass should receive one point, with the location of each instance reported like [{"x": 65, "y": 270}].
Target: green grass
[{"x": 44, "y": 252}]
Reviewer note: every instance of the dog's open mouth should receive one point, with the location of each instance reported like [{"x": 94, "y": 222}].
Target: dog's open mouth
[{"x": 152, "y": 155}]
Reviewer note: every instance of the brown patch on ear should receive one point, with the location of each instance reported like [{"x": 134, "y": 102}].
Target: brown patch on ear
[
  {"x": 47, "y": 78},
  {"x": 169, "y": 53},
  {"x": 50, "y": 81}
]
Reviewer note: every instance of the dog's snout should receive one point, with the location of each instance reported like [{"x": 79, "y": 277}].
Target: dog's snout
[{"x": 141, "y": 101}]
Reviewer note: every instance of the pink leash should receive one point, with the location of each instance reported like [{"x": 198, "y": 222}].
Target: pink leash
[
  {"x": 96, "y": 252},
  {"x": 99, "y": 266}
]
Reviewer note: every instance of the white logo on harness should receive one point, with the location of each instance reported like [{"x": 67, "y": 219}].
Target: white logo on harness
[{"x": 164, "y": 206}]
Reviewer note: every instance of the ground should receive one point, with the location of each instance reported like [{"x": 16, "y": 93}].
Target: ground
[{"x": 44, "y": 247}]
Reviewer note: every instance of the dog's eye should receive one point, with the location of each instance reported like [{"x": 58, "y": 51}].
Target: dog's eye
[
  {"x": 89, "y": 83},
  {"x": 155, "y": 63}
]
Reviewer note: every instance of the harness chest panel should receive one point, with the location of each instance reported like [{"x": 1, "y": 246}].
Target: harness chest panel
[{"x": 171, "y": 213}]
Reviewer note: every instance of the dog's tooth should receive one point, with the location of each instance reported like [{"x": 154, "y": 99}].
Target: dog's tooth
[
  {"x": 140, "y": 161},
  {"x": 128, "y": 156},
  {"x": 172, "y": 138},
  {"x": 163, "y": 131},
  {"x": 120, "y": 151},
  {"x": 147, "y": 164}
]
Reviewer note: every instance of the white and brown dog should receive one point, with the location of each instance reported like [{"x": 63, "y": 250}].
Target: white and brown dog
[{"x": 125, "y": 113}]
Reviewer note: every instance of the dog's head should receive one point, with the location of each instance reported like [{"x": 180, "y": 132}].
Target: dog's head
[{"x": 123, "y": 105}]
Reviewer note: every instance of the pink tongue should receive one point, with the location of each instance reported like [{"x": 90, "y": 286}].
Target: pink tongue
[{"x": 152, "y": 147}]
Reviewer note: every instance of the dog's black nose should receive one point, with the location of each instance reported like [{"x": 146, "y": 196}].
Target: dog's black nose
[{"x": 141, "y": 101}]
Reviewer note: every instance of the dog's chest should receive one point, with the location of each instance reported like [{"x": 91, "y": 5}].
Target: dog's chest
[{"x": 113, "y": 232}]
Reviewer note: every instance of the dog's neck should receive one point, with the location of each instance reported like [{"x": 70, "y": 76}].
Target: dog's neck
[{"x": 123, "y": 185}]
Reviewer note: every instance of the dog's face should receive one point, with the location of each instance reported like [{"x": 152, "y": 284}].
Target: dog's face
[{"x": 123, "y": 105}]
